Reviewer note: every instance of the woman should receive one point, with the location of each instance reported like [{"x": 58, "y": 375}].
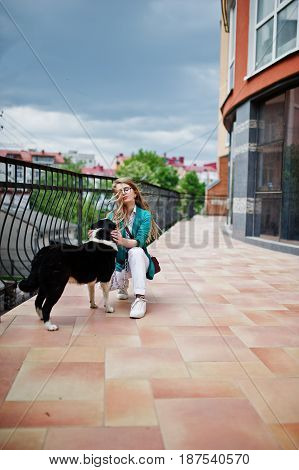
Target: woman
[{"x": 135, "y": 230}]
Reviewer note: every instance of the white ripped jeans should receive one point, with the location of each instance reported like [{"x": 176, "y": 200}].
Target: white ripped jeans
[{"x": 138, "y": 264}]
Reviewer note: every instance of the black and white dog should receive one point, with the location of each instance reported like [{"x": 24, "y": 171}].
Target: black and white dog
[{"x": 56, "y": 265}]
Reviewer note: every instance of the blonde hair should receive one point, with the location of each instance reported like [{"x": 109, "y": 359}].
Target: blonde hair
[{"x": 120, "y": 213}]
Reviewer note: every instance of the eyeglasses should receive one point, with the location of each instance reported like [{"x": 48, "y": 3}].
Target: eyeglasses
[{"x": 126, "y": 190}]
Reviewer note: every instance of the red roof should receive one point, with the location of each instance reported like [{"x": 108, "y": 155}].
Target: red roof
[
  {"x": 98, "y": 170},
  {"x": 26, "y": 155}
]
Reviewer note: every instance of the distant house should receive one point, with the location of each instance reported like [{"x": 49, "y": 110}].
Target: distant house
[
  {"x": 98, "y": 170},
  {"x": 88, "y": 159},
  {"x": 119, "y": 159},
  {"x": 178, "y": 163}
]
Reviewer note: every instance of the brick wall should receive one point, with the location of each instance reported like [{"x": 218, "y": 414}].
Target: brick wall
[{"x": 217, "y": 194}]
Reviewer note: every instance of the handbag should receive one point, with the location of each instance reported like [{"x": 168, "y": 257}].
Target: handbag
[{"x": 153, "y": 258}]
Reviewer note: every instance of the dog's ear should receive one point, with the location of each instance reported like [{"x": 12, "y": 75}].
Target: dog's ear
[
  {"x": 97, "y": 224},
  {"x": 112, "y": 225}
]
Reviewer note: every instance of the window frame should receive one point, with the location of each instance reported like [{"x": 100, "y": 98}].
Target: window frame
[
  {"x": 254, "y": 26},
  {"x": 232, "y": 46}
]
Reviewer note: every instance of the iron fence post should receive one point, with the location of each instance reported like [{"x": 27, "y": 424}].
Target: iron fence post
[{"x": 80, "y": 206}]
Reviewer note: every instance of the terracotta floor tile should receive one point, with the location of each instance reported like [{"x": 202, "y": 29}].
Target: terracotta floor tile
[
  {"x": 30, "y": 380},
  {"x": 86, "y": 354},
  {"x": 174, "y": 316},
  {"x": 110, "y": 326},
  {"x": 51, "y": 413},
  {"x": 205, "y": 349},
  {"x": 64, "y": 413},
  {"x": 278, "y": 361},
  {"x": 220, "y": 370},
  {"x": 249, "y": 301},
  {"x": 11, "y": 412},
  {"x": 98, "y": 341},
  {"x": 293, "y": 431},
  {"x": 122, "y": 438},
  {"x": 144, "y": 363},
  {"x": 194, "y": 388},
  {"x": 281, "y": 394},
  {"x": 9, "y": 371},
  {"x": 283, "y": 436},
  {"x": 194, "y": 331},
  {"x": 23, "y": 439},
  {"x": 156, "y": 336},
  {"x": 240, "y": 350},
  {"x": 26, "y": 335},
  {"x": 199, "y": 423},
  {"x": 129, "y": 403},
  {"x": 267, "y": 336},
  {"x": 293, "y": 352},
  {"x": 256, "y": 369},
  {"x": 75, "y": 381},
  {"x": 256, "y": 399},
  {"x": 260, "y": 317},
  {"x": 49, "y": 381},
  {"x": 45, "y": 354},
  {"x": 212, "y": 299}
]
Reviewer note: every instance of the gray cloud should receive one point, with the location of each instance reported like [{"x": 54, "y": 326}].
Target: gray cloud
[{"x": 115, "y": 60}]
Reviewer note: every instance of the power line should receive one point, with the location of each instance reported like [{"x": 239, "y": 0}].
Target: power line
[
  {"x": 187, "y": 142},
  {"x": 17, "y": 123},
  {"x": 54, "y": 83},
  {"x": 17, "y": 130}
]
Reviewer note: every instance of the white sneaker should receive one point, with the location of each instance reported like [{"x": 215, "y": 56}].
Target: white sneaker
[
  {"x": 122, "y": 294},
  {"x": 138, "y": 308}
]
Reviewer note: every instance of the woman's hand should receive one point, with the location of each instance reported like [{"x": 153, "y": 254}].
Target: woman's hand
[
  {"x": 90, "y": 233},
  {"x": 117, "y": 237}
]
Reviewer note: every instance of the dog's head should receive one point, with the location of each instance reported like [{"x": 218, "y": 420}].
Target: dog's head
[{"x": 102, "y": 229}]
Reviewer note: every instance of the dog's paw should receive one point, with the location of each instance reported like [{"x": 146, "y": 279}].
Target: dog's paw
[
  {"x": 39, "y": 313},
  {"x": 50, "y": 326},
  {"x": 109, "y": 309},
  {"x": 93, "y": 306}
]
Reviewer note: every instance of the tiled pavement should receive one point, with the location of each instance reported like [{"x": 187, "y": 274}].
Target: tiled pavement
[{"x": 213, "y": 365}]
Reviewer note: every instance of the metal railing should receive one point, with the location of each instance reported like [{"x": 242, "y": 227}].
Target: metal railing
[{"x": 41, "y": 203}]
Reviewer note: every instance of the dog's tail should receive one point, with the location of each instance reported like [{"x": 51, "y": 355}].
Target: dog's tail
[{"x": 30, "y": 284}]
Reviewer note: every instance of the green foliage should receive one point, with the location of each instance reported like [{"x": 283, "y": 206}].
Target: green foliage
[
  {"x": 190, "y": 184},
  {"x": 72, "y": 166},
  {"x": 147, "y": 166}
]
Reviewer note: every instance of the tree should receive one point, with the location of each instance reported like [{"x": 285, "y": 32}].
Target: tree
[
  {"x": 190, "y": 184},
  {"x": 147, "y": 166}
]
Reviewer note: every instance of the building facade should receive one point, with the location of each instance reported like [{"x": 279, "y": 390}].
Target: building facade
[
  {"x": 87, "y": 159},
  {"x": 261, "y": 113}
]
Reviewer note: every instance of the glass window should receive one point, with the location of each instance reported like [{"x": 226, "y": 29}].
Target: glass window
[
  {"x": 269, "y": 167},
  {"x": 264, "y": 8},
  {"x": 273, "y": 31},
  {"x": 287, "y": 29},
  {"x": 267, "y": 215},
  {"x": 264, "y": 42},
  {"x": 290, "y": 207},
  {"x": 271, "y": 120}
]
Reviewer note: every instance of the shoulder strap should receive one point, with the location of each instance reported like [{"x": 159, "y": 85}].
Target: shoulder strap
[{"x": 128, "y": 232}]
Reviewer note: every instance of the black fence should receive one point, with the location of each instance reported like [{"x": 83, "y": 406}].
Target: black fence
[{"x": 40, "y": 203}]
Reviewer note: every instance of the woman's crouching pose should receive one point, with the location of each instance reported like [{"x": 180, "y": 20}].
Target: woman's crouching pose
[{"x": 135, "y": 230}]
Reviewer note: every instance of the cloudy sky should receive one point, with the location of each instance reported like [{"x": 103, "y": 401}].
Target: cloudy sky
[{"x": 110, "y": 76}]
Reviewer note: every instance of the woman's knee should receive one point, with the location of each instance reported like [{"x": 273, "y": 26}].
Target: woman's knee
[{"x": 135, "y": 251}]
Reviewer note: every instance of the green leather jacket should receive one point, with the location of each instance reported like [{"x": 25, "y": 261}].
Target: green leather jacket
[{"x": 140, "y": 231}]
